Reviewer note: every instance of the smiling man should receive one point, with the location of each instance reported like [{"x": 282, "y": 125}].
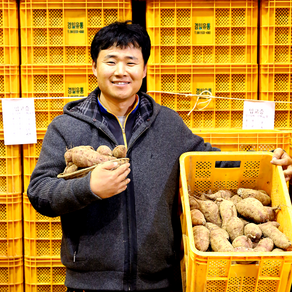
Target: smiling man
[{"x": 121, "y": 229}]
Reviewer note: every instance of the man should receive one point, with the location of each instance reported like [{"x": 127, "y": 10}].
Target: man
[{"x": 120, "y": 227}]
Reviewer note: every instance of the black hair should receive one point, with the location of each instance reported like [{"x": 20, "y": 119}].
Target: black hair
[{"x": 121, "y": 34}]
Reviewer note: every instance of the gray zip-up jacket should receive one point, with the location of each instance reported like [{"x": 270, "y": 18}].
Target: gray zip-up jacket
[{"x": 126, "y": 242}]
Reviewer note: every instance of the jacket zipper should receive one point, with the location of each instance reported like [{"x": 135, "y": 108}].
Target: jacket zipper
[{"x": 129, "y": 207}]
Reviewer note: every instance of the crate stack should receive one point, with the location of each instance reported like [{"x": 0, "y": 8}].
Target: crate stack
[
  {"x": 203, "y": 45},
  {"x": 55, "y": 64},
  {"x": 55, "y": 49},
  {"x": 11, "y": 242},
  {"x": 246, "y": 140},
  {"x": 275, "y": 82},
  {"x": 42, "y": 235}
]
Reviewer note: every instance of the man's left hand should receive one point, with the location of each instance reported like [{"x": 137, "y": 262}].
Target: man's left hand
[{"x": 280, "y": 157}]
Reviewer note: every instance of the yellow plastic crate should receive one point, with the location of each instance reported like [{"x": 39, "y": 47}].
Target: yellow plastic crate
[
  {"x": 217, "y": 271},
  {"x": 11, "y": 225},
  {"x": 61, "y": 32},
  {"x": 211, "y": 31},
  {"x": 42, "y": 234},
  {"x": 275, "y": 31},
  {"x": 9, "y": 85},
  {"x": 44, "y": 275},
  {"x": 31, "y": 154},
  {"x": 11, "y": 274},
  {"x": 49, "y": 84},
  {"x": 226, "y": 81},
  {"x": 275, "y": 84},
  {"x": 247, "y": 140},
  {"x": 10, "y": 168},
  {"x": 9, "y": 47}
]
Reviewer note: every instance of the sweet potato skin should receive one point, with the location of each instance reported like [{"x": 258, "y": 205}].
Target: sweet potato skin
[
  {"x": 279, "y": 238},
  {"x": 262, "y": 196},
  {"x": 234, "y": 227},
  {"x": 201, "y": 237},
  {"x": 220, "y": 243},
  {"x": 104, "y": 150},
  {"x": 220, "y": 231},
  {"x": 210, "y": 211},
  {"x": 265, "y": 244},
  {"x": 120, "y": 151},
  {"x": 253, "y": 231},
  {"x": 253, "y": 209},
  {"x": 85, "y": 156},
  {"x": 227, "y": 211},
  {"x": 242, "y": 241},
  {"x": 197, "y": 217}
]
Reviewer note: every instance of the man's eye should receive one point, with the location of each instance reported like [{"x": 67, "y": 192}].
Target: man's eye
[
  {"x": 131, "y": 63},
  {"x": 111, "y": 62}
]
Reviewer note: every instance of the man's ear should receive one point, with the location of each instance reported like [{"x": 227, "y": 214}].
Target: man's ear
[
  {"x": 94, "y": 68},
  {"x": 145, "y": 71}
]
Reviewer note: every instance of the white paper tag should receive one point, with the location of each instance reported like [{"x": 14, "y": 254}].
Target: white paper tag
[
  {"x": 258, "y": 115},
  {"x": 19, "y": 121}
]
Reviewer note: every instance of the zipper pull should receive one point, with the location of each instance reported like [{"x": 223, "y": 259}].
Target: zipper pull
[{"x": 74, "y": 257}]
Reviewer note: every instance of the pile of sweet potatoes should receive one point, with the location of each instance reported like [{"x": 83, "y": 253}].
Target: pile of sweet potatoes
[
  {"x": 85, "y": 156},
  {"x": 232, "y": 222}
]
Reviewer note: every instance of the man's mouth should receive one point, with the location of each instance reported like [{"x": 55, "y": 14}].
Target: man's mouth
[{"x": 120, "y": 82}]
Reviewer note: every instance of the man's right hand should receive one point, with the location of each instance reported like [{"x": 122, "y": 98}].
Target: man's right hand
[{"x": 106, "y": 182}]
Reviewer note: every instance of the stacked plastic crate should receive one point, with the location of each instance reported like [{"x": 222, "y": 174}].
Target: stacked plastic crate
[
  {"x": 275, "y": 82},
  {"x": 11, "y": 247},
  {"x": 203, "y": 45},
  {"x": 56, "y": 64}
]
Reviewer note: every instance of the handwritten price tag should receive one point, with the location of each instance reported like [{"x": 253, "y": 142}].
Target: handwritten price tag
[
  {"x": 19, "y": 121},
  {"x": 258, "y": 115}
]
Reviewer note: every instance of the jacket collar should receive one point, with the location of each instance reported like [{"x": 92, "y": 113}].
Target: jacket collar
[{"x": 87, "y": 109}]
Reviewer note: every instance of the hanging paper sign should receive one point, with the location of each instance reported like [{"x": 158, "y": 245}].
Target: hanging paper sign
[
  {"x": 19, "y": 121},
  {"x": 258, "y": 115}
]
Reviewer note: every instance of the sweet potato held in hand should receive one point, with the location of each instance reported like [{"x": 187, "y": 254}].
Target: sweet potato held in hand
[{"x": 84, "y": 156}]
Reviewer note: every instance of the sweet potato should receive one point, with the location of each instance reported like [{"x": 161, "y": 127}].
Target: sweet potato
[
  {"x": 69, "y": 152},
  {"x": 235, "y": 199},
  {"x": 253, "y": 231},
  {"x": 85, "y": 156},
  {"x": 219, "y": 243},
  {"x": 265, "y": 244},
  {"x": 221, "y": 231},
  {"x": 201, "y": 237},
  {"x": 197, "y": 217},
  {"x": 262, "y": 196},
  {"x": 120, "y": 151},
  {"x": 71, "y": 167},
  {"x": 227, "y": 211},
  {"x": 193, "y": 203},
  {"x": 243, "y": 220},
  {"x": 234, "y": 227},
  {"x": 278, "y": 250},
  {"x": 210, "y": 211},
  {"x": 224, "y": 194},
  {"x": 253, "y": 209},
  {"x": 279, "y": 238},
  {"x": 104, "y": 150},
  {"x": 242, "y": 241}
]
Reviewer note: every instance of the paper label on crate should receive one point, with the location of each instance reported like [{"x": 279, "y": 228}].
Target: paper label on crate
[
  {"x": 19, "y": 121},
  {"x": 258, "y": 115}
]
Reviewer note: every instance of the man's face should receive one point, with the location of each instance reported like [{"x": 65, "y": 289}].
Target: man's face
[{"x": 119, "y": 72}]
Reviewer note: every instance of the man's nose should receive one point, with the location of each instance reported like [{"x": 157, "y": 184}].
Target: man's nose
[{"x": 120, "y": 69}]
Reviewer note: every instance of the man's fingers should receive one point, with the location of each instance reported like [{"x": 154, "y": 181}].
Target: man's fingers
[
  {"x": 288, "y": 173},
  {"x": 278, "y": 153},
  {"x": 280, "y": 157}
]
